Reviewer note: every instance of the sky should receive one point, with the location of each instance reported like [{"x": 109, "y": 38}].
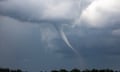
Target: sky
[{"x": 54, "y": 34}]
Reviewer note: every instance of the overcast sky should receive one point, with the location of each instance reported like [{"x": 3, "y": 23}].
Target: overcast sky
[{"x": 30, "y": 38}]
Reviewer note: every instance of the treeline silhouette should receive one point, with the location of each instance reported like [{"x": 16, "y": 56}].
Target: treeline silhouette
[
  {"x": 62, "y": 70},
  {"x": 86, "y": 70},
  {"x": 9, "y": 70}
]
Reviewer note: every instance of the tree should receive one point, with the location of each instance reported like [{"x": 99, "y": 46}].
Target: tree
[
  {"x": 63, "y": 70},
  {"x": 86, "y": 70},
  {"x": 19, "y": 70},
  {"x": 94, "y": 70},
  {"x": 4, "y": 70},
  {"x": 54, "y": 71},
  {"x": 75, "y": 70}
]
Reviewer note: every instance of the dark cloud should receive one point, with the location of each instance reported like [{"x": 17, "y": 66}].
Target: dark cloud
[
  {"x": 28, "y": 45},
  {"x": 32, "y": 11}
]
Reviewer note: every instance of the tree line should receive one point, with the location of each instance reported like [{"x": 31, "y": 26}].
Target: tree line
[
  {"x": 61, "y": 70},
  {"x": 9, "y": 70},
  {"x": 86, "y": 70}
]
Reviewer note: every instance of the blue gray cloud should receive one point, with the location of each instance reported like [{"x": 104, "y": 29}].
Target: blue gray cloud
[
  {"x": 41, "y": 10},
  {"x": 28, "y": 39}
]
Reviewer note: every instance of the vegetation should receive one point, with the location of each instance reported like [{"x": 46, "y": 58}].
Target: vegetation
[
  {"x": 87, "y": 70},
  {"x": 61, "y": 70},
  {"x": 9, "y": 70}
]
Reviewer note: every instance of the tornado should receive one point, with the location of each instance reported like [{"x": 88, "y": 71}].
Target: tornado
[{"x": 62, "y": 34}]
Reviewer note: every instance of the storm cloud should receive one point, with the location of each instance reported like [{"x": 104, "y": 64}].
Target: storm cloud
[
  {"x": 28, "y": 38},
  {"x": 41, "y": 10}
]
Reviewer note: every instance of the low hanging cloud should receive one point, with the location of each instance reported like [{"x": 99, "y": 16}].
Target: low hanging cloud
[
  {"x": 93, "y": 12},
  {"x": 89, "y": 13},
  {"x": 41, "y": 10}
]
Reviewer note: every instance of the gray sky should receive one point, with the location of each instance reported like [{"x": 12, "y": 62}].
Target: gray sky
[{"x": 30, "y": 41}]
